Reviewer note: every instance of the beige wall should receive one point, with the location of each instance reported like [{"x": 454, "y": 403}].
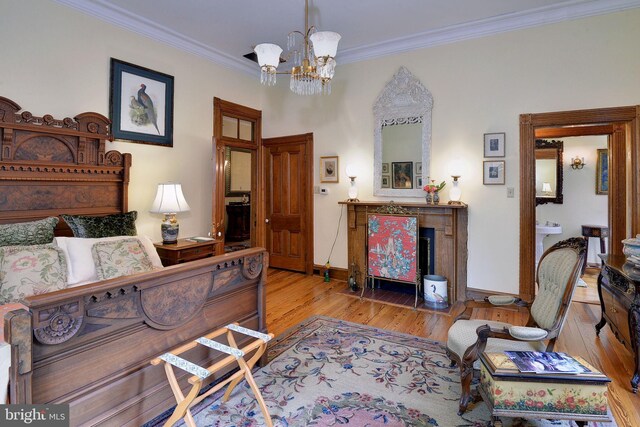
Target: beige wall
[
  {"x": 56, "y": 60},
  {"x": 478, "y": 86}
]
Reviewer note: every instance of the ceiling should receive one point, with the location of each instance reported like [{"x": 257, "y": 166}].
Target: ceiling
[{"x": 224, "y": 30}]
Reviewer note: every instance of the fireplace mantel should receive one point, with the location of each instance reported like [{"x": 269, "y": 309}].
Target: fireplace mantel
[{"x": 449, "y": 223}]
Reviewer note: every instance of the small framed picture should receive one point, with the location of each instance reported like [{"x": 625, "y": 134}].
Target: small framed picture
[
  {"x": 494, "y": 144},
  {"x": 493, "y": 172},
  {"x": 141, "y": 104},
  {"x": 602, "y": 172},
  {"x": 329, "y": 169},
  {"x": 418, "y": 181},
  {"x": 385, "y": 168},
  {"x": 386, "y": 180},
  {"x": 402, "y": 175},
  {"x": 418, "y": 168}
]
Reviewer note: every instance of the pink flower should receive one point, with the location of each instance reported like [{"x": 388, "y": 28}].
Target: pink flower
[{"x": 24, "y": 263}]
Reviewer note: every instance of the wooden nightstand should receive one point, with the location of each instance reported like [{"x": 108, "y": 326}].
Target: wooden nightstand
[{"x": 185, "y": 251}]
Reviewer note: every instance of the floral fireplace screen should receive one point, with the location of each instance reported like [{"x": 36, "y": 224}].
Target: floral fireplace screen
[{"x": 392, "y": 243}]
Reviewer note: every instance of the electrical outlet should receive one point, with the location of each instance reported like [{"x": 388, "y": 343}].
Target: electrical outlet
[
  {"x": 511, "y": 192},
  {"x": 324, "y": 190}
]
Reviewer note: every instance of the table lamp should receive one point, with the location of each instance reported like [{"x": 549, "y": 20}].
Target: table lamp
[
  {"x": 169, "y": 201},
  {"x": 546, "y": 188},
  {"x": 352, "y": 173}
]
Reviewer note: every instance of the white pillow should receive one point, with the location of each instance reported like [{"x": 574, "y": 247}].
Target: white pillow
[{"x": 80, "y": 267}]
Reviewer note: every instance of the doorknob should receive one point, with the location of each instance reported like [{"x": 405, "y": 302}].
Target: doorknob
[{"x": 266, "y": 220}]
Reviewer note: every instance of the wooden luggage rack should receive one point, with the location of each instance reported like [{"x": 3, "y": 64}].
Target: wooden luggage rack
[{"x": 199, "y": 374}]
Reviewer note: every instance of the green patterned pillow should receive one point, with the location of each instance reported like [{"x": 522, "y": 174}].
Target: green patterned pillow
[
  {"x": 31, "y": 270},
  {"x": 117, "y": 258},
  {"x": 102, "y": 226},
  {"x": 28, "y": 233}
]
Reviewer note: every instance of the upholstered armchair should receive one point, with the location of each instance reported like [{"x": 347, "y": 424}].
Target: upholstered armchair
[{"x": 557, "y": 275}]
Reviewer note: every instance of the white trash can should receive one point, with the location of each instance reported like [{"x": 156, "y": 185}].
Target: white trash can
[{"x": 435, "y": 291}]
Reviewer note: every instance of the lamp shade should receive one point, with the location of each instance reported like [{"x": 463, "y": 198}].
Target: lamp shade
[
  {"x": 546, "y": 187},
  {"x": 352, "y": 171},
  {"x": 169, "y": 199},
  {"x": 268, "y": 54},
  {"x": 325, "y": 43}
]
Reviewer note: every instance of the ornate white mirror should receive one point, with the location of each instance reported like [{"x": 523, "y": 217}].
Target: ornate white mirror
[{"x": 402, "y": 137}]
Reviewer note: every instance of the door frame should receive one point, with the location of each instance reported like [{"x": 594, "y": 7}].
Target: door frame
[
  {"x": 225, "y": 108},
  {"x": 307, "y": 138},
  {"x": 624, "y": 174}
]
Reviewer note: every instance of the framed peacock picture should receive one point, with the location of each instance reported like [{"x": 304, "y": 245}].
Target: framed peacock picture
[{"x": 141, "y": 104}]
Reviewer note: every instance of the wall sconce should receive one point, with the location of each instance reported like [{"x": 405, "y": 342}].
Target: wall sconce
[
  {"x": 352, "y": 172},
  {"x": 455, "y": 193},
  {"x": 169, "y": 201},
  {"x": 577, "y": 163},
  {"x": 546, "y": 188}
]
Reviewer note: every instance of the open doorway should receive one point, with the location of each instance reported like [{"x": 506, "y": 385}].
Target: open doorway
[
  {"x": 623, "y": 203},
  {"x": 572, "y": 197}
]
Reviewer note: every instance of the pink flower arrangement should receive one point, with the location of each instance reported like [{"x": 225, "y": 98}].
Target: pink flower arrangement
[{"x": 433, "y": 188}]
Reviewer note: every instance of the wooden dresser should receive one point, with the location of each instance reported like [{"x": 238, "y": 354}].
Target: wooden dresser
[{"x": 619, "y": 291}]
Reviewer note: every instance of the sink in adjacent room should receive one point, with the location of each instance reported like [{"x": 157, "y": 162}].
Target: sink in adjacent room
[{"x": 542, "y": 231}]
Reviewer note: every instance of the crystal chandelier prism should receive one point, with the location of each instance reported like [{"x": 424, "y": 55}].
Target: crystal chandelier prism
[{"x": 313, "y": 56}]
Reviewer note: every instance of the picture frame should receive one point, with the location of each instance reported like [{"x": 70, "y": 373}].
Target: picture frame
[
  {"x": 329, "y": 169},
  {"x": 493, "y": 172},
  {"x": 386, "y": 181},
  {"x": 385, "y": 168},
  {"x": 418, "y": 168},
  {"x": 494, "y": 144},
  {"x": 140, "y": 104},
  {"x": 602, "y": 171},
  {"x": 418, "y": 181},
  {"x": 402, "y": 175}
]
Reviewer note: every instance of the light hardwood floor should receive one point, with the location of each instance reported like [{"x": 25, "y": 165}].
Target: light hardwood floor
[{"x": 293, "y": 297}]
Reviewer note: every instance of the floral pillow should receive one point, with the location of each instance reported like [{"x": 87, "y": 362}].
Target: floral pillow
[
  {"x": 28, "y": 233},
  {"x": 102, "y": 226},
  {"x": 31, "y": 270},
  {"x": 120, "y": 258}
]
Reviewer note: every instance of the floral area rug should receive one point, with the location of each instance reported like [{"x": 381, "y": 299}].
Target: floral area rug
[{"x": 326, "y": 372}]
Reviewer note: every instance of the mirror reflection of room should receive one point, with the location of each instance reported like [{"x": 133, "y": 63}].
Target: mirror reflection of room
[
  {"x": 584, "y": 208},
  {"x": 401, "y": 151},
  {"x": 237, "y": 198}
]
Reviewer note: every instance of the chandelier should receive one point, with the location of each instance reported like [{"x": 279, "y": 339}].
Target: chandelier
[{"x": 313, "y": 56}]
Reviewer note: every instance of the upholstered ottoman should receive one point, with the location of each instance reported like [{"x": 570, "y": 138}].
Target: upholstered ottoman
[{"x": 511, "y": 393}]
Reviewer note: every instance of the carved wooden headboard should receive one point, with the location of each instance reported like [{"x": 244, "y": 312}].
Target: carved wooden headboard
[{"x": 50, "y": 167}]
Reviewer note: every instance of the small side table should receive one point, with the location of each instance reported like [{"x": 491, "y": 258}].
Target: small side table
[
  {"x": 599, "y": 231},
  {"x": 185, "y": 251},
  {"x": 514, "y": 394}
]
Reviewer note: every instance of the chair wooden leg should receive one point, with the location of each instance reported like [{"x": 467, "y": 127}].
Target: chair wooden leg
[{"x": 466, "y": 375}]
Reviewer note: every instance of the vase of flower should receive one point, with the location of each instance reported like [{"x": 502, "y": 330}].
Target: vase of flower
[
  {"x": 432, "y": 196},
  {"x": 429, "y": 197}
]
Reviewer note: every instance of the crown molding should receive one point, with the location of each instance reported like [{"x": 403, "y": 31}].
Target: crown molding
[
  {"x": 124, "y": 19},
  {"x": 500, "y": 24},
  {"x": 486, "y": 27}
]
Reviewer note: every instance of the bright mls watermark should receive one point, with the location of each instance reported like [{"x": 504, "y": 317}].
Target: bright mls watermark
[{"x": 34, "y": 415}]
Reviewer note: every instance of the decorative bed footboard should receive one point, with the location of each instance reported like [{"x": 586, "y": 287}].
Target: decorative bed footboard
[{"x": 90, "y": 346}]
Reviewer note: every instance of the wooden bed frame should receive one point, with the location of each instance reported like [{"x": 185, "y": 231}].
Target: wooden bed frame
[{"x": 90, "y": 346}]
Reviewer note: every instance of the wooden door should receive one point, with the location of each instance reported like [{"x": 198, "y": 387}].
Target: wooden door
[{"x": 288, "y": 168}]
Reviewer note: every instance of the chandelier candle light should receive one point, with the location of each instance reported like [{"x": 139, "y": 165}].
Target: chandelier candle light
[
  {"x": 169, "y": 201},
  {"x": 313, "y": 55}
]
